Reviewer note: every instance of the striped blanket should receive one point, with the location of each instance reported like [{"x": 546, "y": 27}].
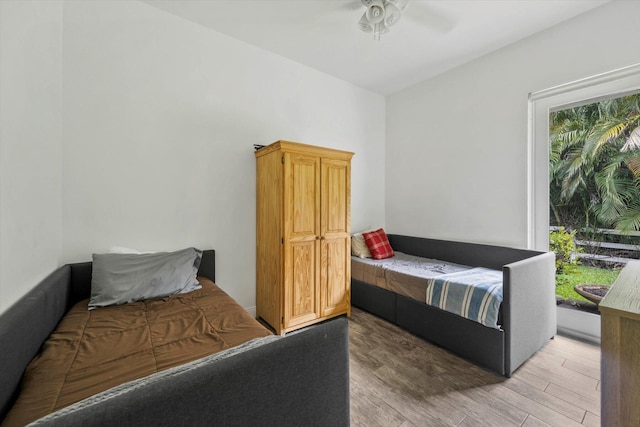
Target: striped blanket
[{"x": 475, "y": 294}]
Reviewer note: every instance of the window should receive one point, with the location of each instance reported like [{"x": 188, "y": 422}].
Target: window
[{"x": 612, "y": 84}]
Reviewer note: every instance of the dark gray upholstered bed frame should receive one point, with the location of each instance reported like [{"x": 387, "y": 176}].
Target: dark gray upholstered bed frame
[
  {"x": 528, "y": 307},
  {"x": 300, "y": 379}
]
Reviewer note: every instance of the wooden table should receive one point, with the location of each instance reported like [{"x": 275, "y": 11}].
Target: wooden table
[{"x": 620, "y": 363}]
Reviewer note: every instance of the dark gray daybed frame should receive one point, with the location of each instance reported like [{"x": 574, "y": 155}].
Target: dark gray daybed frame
[
  {"x": 300, "y": 379},
  {"x": 528, "y": 308}
]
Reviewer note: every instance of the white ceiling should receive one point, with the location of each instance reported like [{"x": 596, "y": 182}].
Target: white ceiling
[{"x": 431, "y": 37}]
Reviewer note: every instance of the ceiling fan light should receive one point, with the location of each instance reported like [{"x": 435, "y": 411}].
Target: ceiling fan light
[
  {"x": 381, "y": 15},
  {"x": 375, "y": 12},
  {"x": 392, "y": 14},
  {"x": 365, "y": 25}
]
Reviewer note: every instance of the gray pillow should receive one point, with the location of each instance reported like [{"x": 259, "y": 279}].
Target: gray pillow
[{"x": 123, "y": 278}]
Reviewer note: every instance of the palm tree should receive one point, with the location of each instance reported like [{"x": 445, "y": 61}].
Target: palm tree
[{"x": 595, "y": 164}]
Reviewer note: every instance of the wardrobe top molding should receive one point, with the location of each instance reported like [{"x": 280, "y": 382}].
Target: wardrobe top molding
[{"x": 296, "y": 147}]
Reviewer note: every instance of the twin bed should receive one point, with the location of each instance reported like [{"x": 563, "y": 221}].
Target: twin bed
[
  {"x": 194, "y": 357},
  {"x": 424, "y": 289}
]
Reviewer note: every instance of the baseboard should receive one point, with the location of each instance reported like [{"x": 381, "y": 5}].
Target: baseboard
[{"x": 578, "y": 324}]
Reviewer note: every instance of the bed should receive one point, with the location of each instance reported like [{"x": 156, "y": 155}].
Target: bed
[
  {"x": 398, "y": 290},
  {"x": 191, "y": 358}
]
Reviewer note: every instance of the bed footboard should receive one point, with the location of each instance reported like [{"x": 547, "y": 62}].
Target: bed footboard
[
  {"x": 301, "y": 379},
  {"x": 529, "y": 307}
]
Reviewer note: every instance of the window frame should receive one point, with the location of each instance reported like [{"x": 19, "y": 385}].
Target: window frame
[{"x": 541, "y": 103}]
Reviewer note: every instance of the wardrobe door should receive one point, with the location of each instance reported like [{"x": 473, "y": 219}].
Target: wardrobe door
[
  {"x": 335, "y": 243},
  {"x": 301, "y": 238}
]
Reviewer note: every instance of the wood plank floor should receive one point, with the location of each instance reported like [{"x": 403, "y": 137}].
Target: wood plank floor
[{"x": 398, "y": 379}]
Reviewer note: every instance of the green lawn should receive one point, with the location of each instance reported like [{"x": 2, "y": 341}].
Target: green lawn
[{"x": 576, "y": 275}]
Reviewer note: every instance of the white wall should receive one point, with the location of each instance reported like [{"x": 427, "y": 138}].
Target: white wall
[
  {"x": 160, "y": 116},
  {"x": 456, "y": 145},
  {"x": 30, "y": 144}
]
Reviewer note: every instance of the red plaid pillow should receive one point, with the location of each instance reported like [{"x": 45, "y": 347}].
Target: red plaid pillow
[{"x": 378, "y": 244}]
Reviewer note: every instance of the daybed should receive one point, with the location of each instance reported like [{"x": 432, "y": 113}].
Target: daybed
[
  {"x": 527, "y": 314},
  {"x": 300, "y": 379}
]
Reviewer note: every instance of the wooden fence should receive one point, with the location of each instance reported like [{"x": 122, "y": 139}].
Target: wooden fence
[{"x": 591, "y": 248}]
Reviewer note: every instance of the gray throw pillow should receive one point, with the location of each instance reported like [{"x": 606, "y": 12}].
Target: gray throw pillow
[{"x": 123, "y": 278}]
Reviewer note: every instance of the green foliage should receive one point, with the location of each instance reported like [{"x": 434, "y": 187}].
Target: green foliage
[
  {"x": 563, "y": 244},
  {"x": 594, "y": 165},
  {"x": 582, "y": 275}
]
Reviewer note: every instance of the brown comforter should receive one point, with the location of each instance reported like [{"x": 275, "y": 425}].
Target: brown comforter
[{"x": 92, "y": 351}]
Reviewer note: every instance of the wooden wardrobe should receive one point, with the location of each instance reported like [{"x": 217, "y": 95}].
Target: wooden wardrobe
[{"x": 303, "y": 259}]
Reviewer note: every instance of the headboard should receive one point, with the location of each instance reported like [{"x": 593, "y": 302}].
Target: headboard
[{"x": 208, "y": 265}]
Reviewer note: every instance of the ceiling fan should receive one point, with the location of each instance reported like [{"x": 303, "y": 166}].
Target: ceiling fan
[{"x": 381, "y": 15}]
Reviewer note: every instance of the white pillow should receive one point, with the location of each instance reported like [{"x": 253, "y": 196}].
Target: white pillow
[
  {"x": 123, "y": 278},
  {"x": 359, "y": 246}
]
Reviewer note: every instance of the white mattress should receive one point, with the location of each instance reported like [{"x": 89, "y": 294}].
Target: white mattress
[{"x": 403, "y": 274}]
